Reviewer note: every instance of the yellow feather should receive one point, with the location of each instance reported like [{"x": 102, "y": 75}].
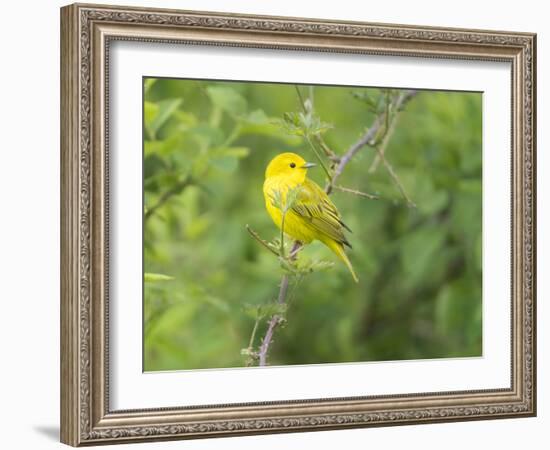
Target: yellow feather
[
  {"x": 313, "y": 216},
  {"x": 339, "y": 250}
]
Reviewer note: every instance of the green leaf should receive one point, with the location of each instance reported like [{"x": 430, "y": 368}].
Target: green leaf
[
  {"x": 292, "y": 196},
  {"x": 252, "y": 311},
  {"x": 163, "y": 147},
  {"x": 258, "y": 123},
  {"x": 198, "y": 227},
  {"x": 186, "y": 119},
  {"x": 258, "y": 312},
  {"x": 208, "y": 135},
  {"x": 285, "y": 201},
  {"x": 306, "y": 265},
  {"x": 148, "y": 84},
  {"x": 365, "y": 97},
  {"x": 156, "y": 277},
  {"x": 150, "y": 111},
  {"x": 156, "y": 114},
  {"x": 418, "y": 251},
  {"x": 270, "y": 309},
  {"x": 227, "y": 158},
  {"x": 433, "y": 203},
  {"x": 423, "y": 192},
  {"x": 300, "y": 124},
  {"x": 256, "y": 117},
  {"x": 227, "y": 99},
  {"x": 225, "y": 163},
  {"x": 458, "y": 313},
  {"x": 165, "y": 110},
  {"x": 277, "y": 199},
  {"x": 467, "y": 209},
  {"x": 237, "y": 152}
]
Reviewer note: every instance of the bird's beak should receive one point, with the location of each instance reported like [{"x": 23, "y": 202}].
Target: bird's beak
[{"x": 308, "y": 165}]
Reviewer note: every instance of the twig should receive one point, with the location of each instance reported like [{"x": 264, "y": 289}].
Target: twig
[
  {"x": 282, "y": 246},
  {"x": 317, "y": 137},
  {"x": 384, "y": 143},
  {"x": 253, "y": 335},
  {"x": 249, "y": 351},
  {"x": 368, "y": 137},
  {"x": 330, "y": 154},
  {"x": 295, "y": 249},
  {"x": 276, "y": 319},
  {"x": 355, "y": 192},
  {"x": 268, "y": 338},
  {"x": 176, "y": 189},
  {"x": 302, "y": 103},
  {"x": 260, "y": 240},
  {"x": 381, "y": 150},
  {"x": 396, "y": 179},
  {"x": 346, "y": 158},
  {"x": 321, "y": 162}
]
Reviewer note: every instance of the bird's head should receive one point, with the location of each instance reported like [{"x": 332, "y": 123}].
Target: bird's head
[{"x": 290, "y": 165}]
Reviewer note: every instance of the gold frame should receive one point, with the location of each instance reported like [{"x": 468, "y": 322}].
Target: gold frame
[{"x": 86, "y": 31}]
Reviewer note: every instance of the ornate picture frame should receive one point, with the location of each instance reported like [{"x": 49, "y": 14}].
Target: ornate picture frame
[{"x": 87, "y": 32}]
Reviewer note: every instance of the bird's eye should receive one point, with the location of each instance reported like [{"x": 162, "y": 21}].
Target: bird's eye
[{"x": 292, "y": 165}]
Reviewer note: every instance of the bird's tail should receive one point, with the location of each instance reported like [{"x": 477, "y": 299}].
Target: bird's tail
[{"x": 339, "y": 250}]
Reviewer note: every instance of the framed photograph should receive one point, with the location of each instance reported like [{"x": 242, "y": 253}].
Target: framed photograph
[{"x": 276, "y": 224}]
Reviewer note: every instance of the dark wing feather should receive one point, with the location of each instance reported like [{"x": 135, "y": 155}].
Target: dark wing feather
[{"x": 315, "y": 207}]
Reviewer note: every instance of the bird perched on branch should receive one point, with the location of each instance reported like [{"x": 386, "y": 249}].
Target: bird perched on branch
[{"x": 310, "y": 215}]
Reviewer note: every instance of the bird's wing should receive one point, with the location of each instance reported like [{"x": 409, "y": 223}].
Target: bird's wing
[{"x": 315, "y": 208}]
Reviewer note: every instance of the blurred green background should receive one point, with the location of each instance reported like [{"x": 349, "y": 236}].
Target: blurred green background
[{"x": 206, "y": 146}]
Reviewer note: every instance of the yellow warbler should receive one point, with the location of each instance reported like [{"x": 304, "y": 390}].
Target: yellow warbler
[{"x": 312, "y": 215}]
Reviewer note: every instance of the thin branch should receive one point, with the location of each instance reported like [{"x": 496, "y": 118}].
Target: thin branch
[
  {"x": 294, "y": 251},
  {"x": 355, "y": 192},
  {"x": 350, "y": 153},
  {"x": 396, "y": 179},
  {"x": 321, "y": 162},
  {"x": 317, "y": 138},
  {"x": 276, "y": 319},
  {"x": 381, "y": 150},
  {"x": 253, "y": 335},
  {"x": 268, "y": 338},
  {"x": 302, "y": 102},
  {"x": 260, "y": 240},
  {"x": 384, "y": 143},
  {"x": 283, "y": 289},
  {"x": 249, "y": 351},
  {"x": 282, "y": 247},
  {"x": 330, "y": 154},
  {"x": 176, "y": 189},
  {"x": 367, "y": 138}
]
